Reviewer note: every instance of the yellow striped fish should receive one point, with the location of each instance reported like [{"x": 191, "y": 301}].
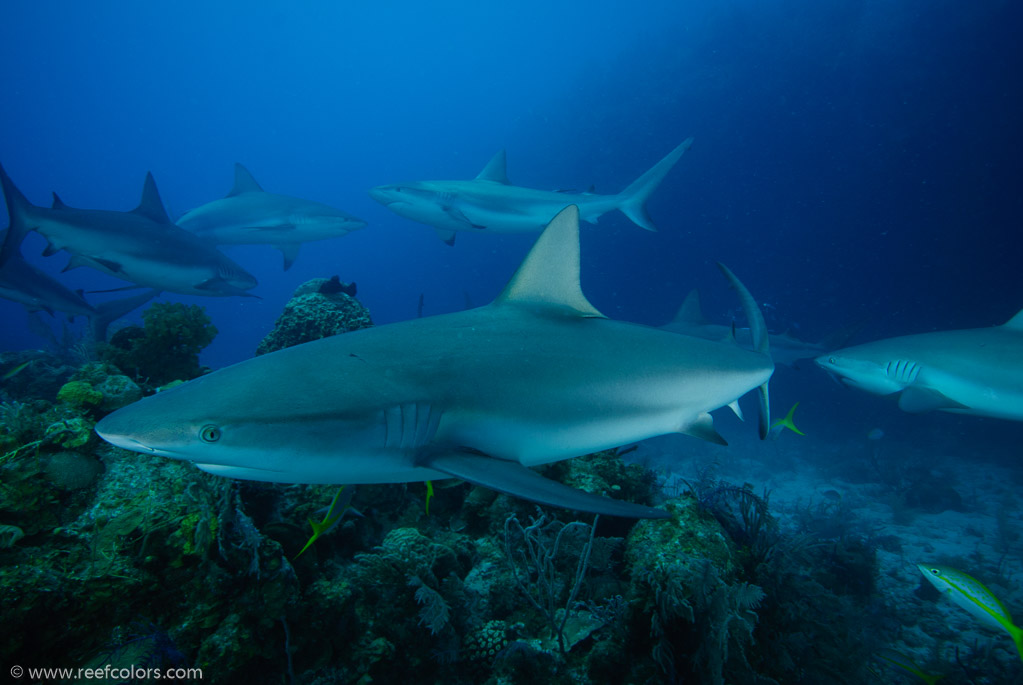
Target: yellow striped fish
[{"x": 970, "y": 594}]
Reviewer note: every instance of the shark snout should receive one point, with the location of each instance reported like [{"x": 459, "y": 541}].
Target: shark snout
[{"x": 385, "y": 195}]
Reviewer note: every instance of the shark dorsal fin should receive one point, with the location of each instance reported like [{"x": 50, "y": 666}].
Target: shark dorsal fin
[
  {"x": 496, "y": 170},
  {"x": 1015, "y": 322},
  {"x": 151, "y": 205},
  {"x": 58, "y": 203},
  {"x": 243, "y": 182},
  {"x": 690, "y": 311},
  {"x": 549, "y": 275}
]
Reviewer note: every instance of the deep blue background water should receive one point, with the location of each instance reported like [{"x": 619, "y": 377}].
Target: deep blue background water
[{"x": 854, "y": 161}]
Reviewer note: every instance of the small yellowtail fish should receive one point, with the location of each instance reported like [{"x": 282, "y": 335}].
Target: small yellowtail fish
[
  {"x": 781, "y": 424},
  {"x": 429, "y": 495},
  {"x": 16, "y": 370},
  {"x": 906, "y": 664},
  {"x": 335, "y": 512},
  {"x": 970, "y": 594}
]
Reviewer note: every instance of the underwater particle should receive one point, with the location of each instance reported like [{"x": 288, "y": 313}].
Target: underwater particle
[
  {"x": 79, "y": 395},
  {"x": 71, "y": 470},
  {"x": 875, "y": 434}
]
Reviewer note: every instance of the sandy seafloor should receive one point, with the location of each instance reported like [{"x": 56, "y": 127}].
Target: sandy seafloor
[{"x": 829, "y": 471}]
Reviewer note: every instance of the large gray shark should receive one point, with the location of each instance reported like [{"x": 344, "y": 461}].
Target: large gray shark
[
  {"x": 25, "y": 284},
  {"x": 490, "y": 202},
  {"x": 786, "y": 349},
  {"x": 975, "y": 371},
  {"x": 536, "y": 376},
  {"x": 141, "y": 246},
  {"x": 249, "y": 215}
]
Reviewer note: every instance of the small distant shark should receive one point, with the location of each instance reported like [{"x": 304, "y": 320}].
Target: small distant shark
[
  {"x": 539, "y": 375},
  {"x": 249, "y": 215},
  {"x": 141, "y": 246},
  {"x": 490, "y": 202},
  {"x": 976, "y": 371},
  {"x": 786, "y": 349},
  {"x": 25, "y": 284}
]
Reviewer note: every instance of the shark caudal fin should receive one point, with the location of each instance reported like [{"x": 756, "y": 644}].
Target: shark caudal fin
[
  {"x": 632, "y": 200},
  {"x": 758, "y": 331},
  {"x": 18, "y": 208}
]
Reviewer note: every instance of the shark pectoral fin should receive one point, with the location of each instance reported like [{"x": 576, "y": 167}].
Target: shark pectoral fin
[
  {"x": 460, "y": 216},
  {"x": 114, "y": 267},
  {"x": 290, "y": 252},
  {"x": 447, "y": 236},
  {"x": 916, "y": 400},
  {"x": 703, "y": 428},
  {"x": 513, "y": 478}
]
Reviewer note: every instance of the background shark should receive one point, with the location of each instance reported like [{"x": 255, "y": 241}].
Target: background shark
[
  {"x": 786, "y": 349},
  {"x": 141, "y": 246},
  {"x": 975, "y": 371},
  {"x": 249, "y": 215},
  {"x": 23, "y": 283},
  {"x": 537, "y": 376},
  {"x": 492, "y": 203}
]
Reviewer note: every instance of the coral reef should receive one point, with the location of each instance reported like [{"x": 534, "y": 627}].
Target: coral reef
[
  {"x": 312, "y": 314},
  {"x": 165, "y": 348}
]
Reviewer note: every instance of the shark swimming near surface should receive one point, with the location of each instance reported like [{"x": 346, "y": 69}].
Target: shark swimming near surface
[
  {"x": 23, "y": 283},
  {"x": 975, "y": 371},
  {"x": 786, "y": 349},
  {"x": 491, "y": 203},
  {"x": 538, "y": 375},
  {"x": 249, "y": 215},
  {"x": 141, "y": 246}
]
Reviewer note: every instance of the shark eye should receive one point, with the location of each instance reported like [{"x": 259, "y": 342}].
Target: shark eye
[
  {"x": 831, "y": 360},
  {"x": 936, "y": 572},
  {"x": 209, "y": 433}
]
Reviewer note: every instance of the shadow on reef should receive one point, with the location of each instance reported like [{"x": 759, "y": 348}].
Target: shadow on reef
[{"x": 108, "y": 556}]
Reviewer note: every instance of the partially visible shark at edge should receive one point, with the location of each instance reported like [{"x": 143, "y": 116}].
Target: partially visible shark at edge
[
  {"x": 490, "y": 202},
  {"x": 786, "y": 349},
  {"x": 976, "y": 371},
  {"x": 249, "y": 215},
  {"x": 141, "y": 246},
  {"x": 539, "y": 375},
  {"x": 23, "y": 283}
]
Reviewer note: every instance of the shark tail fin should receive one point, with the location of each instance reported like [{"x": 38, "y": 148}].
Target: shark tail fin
[
  {"x": 758, "y": 331},
  {"x": 108, "y": 312},
  {"x": 632, "y": 200},
  {"x": 18, "y": 208}
]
